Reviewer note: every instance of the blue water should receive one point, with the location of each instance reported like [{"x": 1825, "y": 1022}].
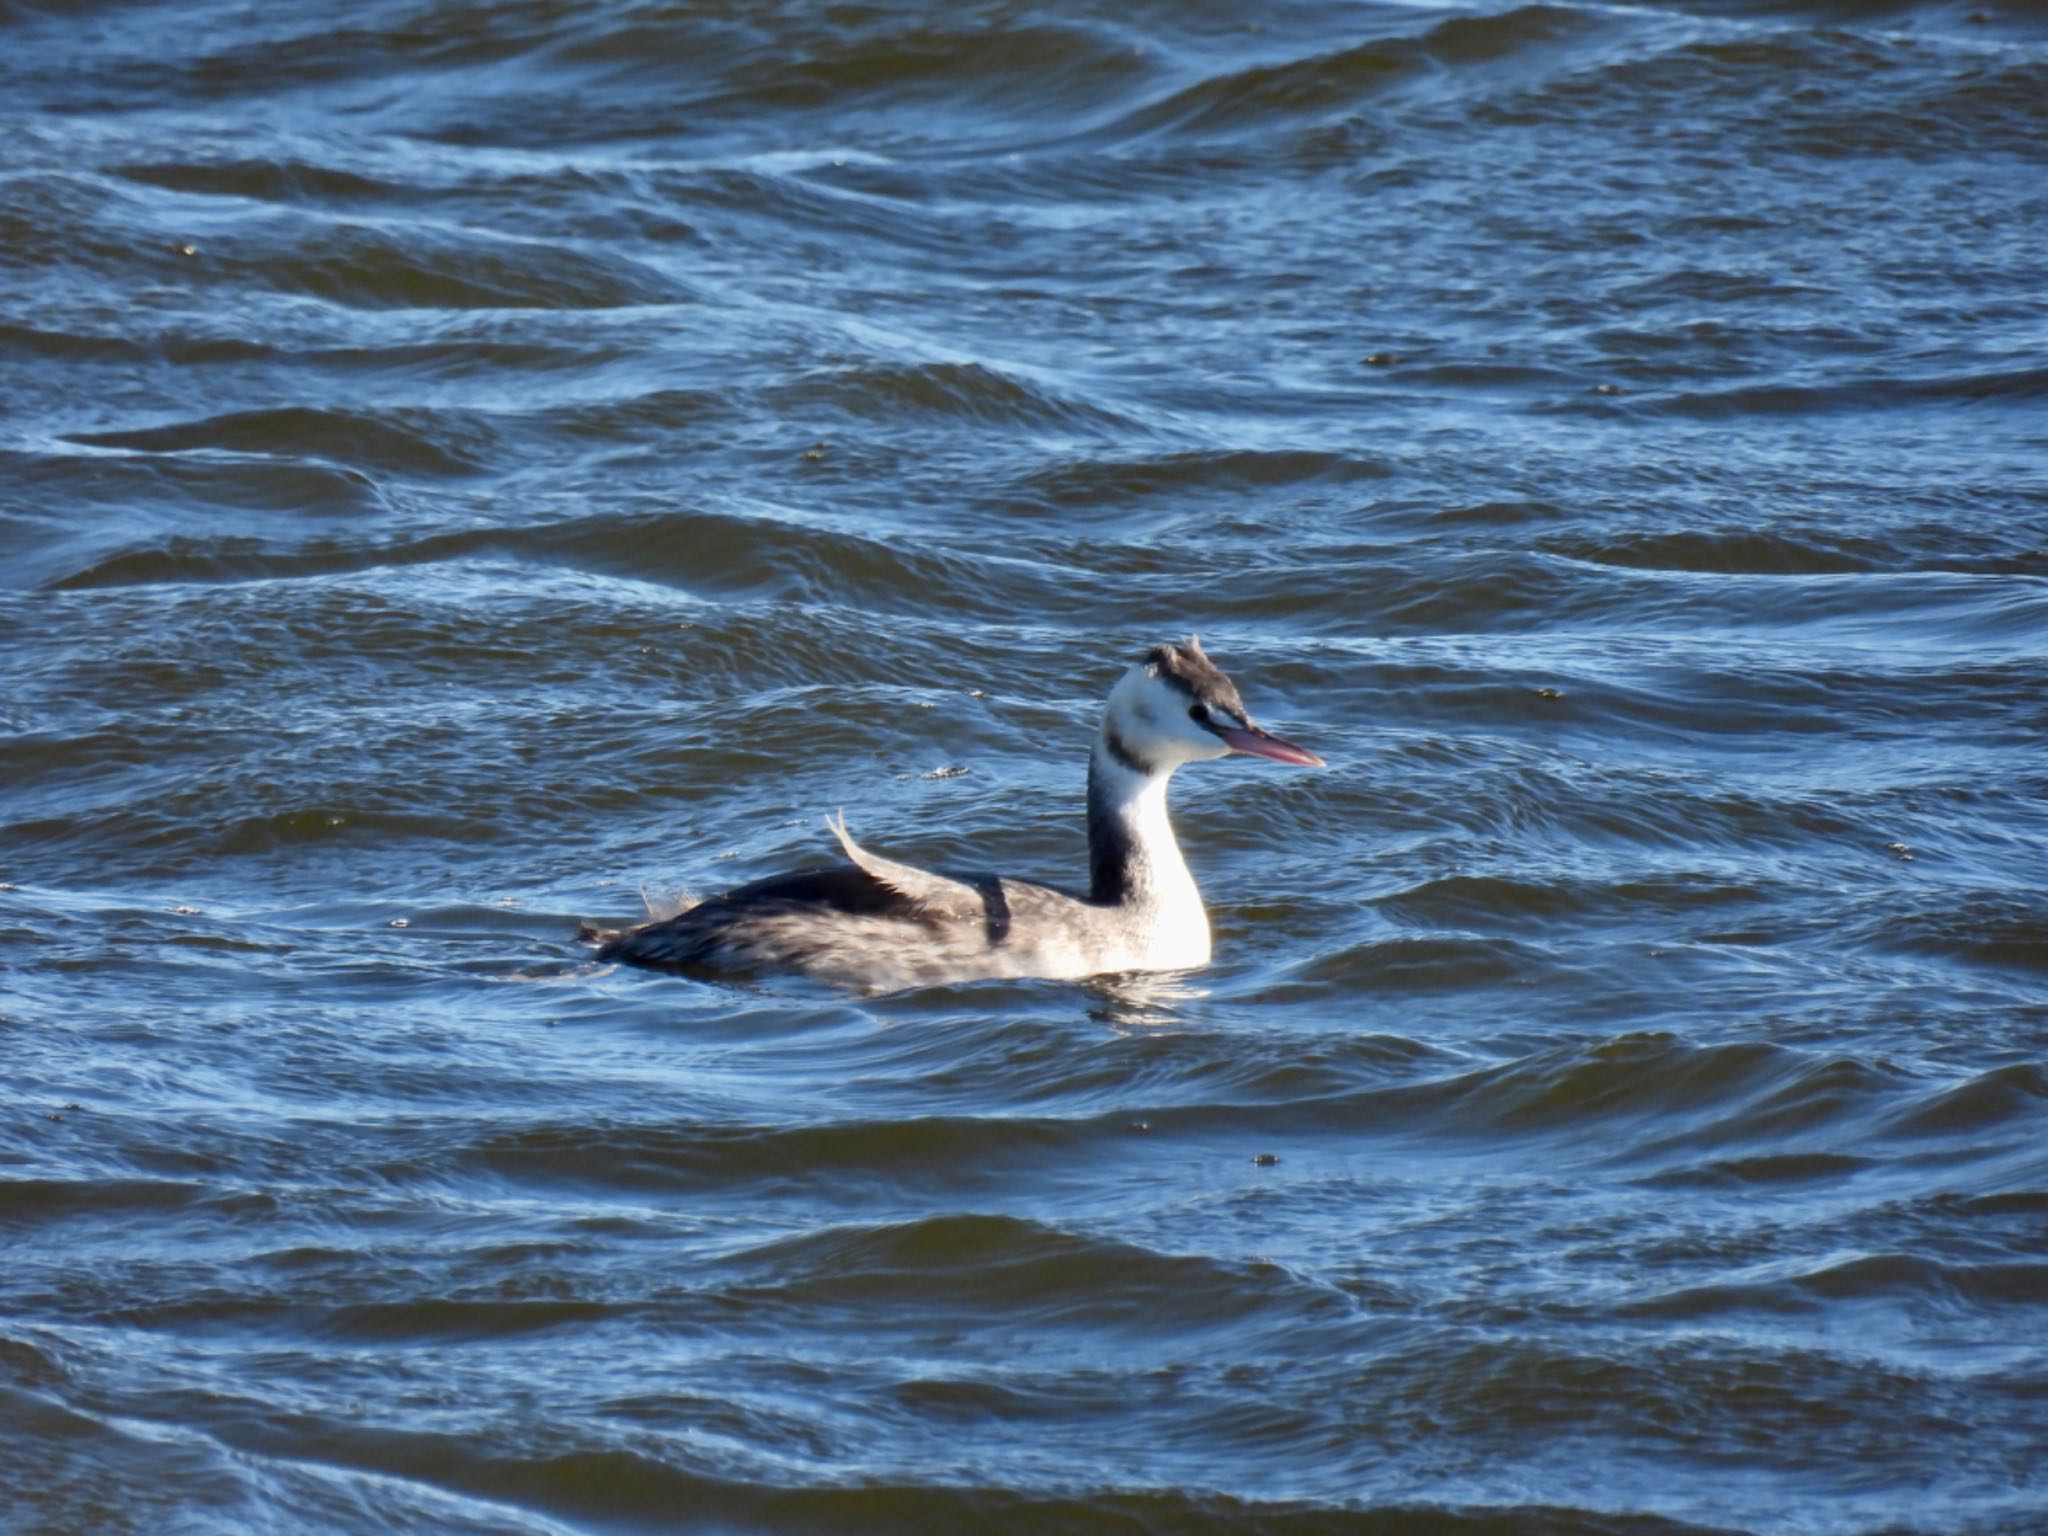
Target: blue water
[{"x": 467, "y": 468}]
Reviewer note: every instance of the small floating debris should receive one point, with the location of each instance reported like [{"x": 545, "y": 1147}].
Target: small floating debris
[
  {"x": 1607, "y": 389},
  {"x": 186, "y": 911},
  {"x": 949, "y": 771},
  {"x": 401, "y": 922},
  {"x": 1266, "y": 1159},
  {"x": 1903, "y": 850},
  {"x": 184, "y": 248},
  {"x": 1549, "y": 693},
  {"x": 1382, "y": 359}
]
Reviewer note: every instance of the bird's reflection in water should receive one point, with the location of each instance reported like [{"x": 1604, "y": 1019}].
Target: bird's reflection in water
[{"x": 1143, "y": 1000}]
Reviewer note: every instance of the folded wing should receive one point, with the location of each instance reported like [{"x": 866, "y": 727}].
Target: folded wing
[{"x": 937, "y": 896}]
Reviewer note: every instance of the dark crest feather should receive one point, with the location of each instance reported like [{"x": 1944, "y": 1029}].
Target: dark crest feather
[{"x": 1197, "y": 676}]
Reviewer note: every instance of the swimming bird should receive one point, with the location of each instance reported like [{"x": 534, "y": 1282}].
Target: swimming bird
[{"x": 880, "y": 926}]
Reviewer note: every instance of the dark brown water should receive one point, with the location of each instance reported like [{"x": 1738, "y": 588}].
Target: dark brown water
[{"x": 463, "y": 463}]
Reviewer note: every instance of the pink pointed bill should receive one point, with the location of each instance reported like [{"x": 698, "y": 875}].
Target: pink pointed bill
[{"x": 1257, "y": 743}]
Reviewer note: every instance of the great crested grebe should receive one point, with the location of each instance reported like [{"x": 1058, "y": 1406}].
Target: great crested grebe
[{"x": 881, "y": 926}]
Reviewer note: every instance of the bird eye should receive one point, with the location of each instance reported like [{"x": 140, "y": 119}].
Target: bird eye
[{"x": 1199, "y": 713}]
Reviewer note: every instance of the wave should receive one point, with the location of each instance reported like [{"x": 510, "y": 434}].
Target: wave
[
  {"x": 1893, "y": 1278},
  {"x": 370, "y": 267},
  {"x": 1034, "y": 1274},
  {"x": 1113, "y": 483},
  {"x": 973, "y": 392},
  {"x": 417, "y": 442},
  {"x": 2019, "y": 384}
]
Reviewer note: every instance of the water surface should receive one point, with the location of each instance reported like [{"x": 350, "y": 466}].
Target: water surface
[{"x": 463, "y": 465}]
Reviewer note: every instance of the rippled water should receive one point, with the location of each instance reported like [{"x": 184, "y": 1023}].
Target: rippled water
[{"x": 467, "y": 463}]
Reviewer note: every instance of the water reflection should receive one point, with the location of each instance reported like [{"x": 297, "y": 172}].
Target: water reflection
[{"x": 1138, "y": 1001}]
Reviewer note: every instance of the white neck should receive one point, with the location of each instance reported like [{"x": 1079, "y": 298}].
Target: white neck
[{"x": 1134, "y": 860}]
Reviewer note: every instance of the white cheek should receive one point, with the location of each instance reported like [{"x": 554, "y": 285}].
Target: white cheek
[
  {"x": 1152, "y": 720},
  {"x": 1191, "y": 743},
  {"x": 1154, "y": 744},
  {"x": 1190, "y": 739},
  {"x": 1195, "y": 738}
]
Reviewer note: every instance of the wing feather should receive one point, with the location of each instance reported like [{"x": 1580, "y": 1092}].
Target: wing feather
[{"x": 936, "y": 895}]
